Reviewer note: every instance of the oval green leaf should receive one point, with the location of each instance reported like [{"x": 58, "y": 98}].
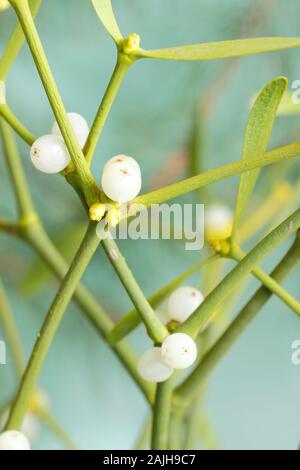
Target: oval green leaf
[
  {"x": 222, "y": 50},
  {"x": 106, "y": 15},
  {"x": 256, "y": 139}
]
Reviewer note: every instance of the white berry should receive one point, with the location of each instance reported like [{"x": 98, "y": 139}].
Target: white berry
[
  {"x": 218, "y": 222},
  {"x": 152, "y": 368},
  {"x": 121, "y": 180},
  {"x": 183, "y": 302},
  {"x": 179, "y": 351},
  {"x": 79, "y": 125},
  {"x": 13, "y": 440},
  {"x": 49, "y": 154},
  {"x": 122, "y": 159}
]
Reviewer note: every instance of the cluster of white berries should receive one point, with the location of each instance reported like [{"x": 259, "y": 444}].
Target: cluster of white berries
[
  {"x": 121, "y": 178},
  {"x": 13, "y": 440},
  {"x": 178, "y": 350},
  {"x": 49, "y": 153}
]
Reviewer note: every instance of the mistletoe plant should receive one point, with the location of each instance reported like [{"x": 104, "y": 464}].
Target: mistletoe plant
[{"x": 177, "y": 334}]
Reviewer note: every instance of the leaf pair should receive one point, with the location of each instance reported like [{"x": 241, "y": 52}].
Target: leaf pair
[
  {"x": 206, "y": 51},
  {"x": 265, "y": 107}
]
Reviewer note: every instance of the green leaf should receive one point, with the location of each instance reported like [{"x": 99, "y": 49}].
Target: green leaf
[
  {"x": 16, "y": 42},
  {"x": 222, "y": 50},
  {"x": 289, "y": 104},
  {"x": 256, "y": 139},
  {"x": 106, "y": 15}
]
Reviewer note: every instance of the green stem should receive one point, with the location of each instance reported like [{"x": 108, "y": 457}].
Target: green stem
[
  {"x": 35, "y": 235},
  {"x": 11, "y": 228},
  {"x": 13, "y": 162},
  {"x": 39, "y": 240},
  {"x": 51, "y": 422},
  {"x": 10, "y": 330},
  {"x": 89, "y": 186},
  {"x": 132, "y": 319},
  {"x": 195, "y": 182},
  {"x": 7, "y": 114},
  {"x": 190, "y": 388},
  {"x": 161, "y": 415},
  {"x": 156, "y": 330},
  {"x": 270, "y": 283},
  {"x": 105, "y": 106},
  {"x": 204, "y": 314},
  {"x": 50, "y": 326},
  {"x": 15, "y": 43}
]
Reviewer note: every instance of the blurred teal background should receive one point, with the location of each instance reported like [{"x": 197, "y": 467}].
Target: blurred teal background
[{"x": 253, "y": 397}]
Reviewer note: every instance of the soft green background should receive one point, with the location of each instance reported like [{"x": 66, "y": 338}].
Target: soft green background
[{"x": 254, "y": 393}]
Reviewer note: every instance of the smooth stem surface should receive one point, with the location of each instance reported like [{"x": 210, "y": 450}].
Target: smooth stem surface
[
  {"x": 190, "y": 388},
  {"x": 105, "y": 106},
  {"x": 195, "y": 182},
  {"x": 50, "y": 326},
  {"x": 205, "y": 313},
  {"x": 11, "y": 228},
  {"x": 7, "y": 114},
  {"x": 11, "y": 332},
  {"x": 270, "y": 283},
  {"x": 132, "y": 319},
  {"x": 161, "y": 415},
  {"x": 15, "y": 43},
  {"x": 156, "y": 330},
  {"x": 88, "y": 184},
  {"x": 40, "y": 242},
  {"x": 11, "y": 153}
]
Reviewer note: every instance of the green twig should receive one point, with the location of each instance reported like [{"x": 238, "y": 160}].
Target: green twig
[
  {"x": 195, "y": 182},
  {"x": 13, "y": 161},
  {"x": 11, "y": 228},
  {"x": 10, "y": 330},
  {"x": 89, "y": 186},
  {"x": 269, "y": 282},
  {"x": 204, "y": 314},
  {"x": 161, "y": 415},
  {"x": 188, "y": 390},
  {"x": 32, "y": 231},
  {"x": 105, "y": 106},
  {"x": 132, "y": 319},
  {"x": 51, "y": 324},
  {"x": 38, "y": 239},
  {"x": 156, "y": 330},
  {"x": 7, "y": 114}
]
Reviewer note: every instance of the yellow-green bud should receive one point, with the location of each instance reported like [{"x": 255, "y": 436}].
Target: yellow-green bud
[
  {"x": 97, "y": 211},
  {"x": 131, "y": 44}
]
